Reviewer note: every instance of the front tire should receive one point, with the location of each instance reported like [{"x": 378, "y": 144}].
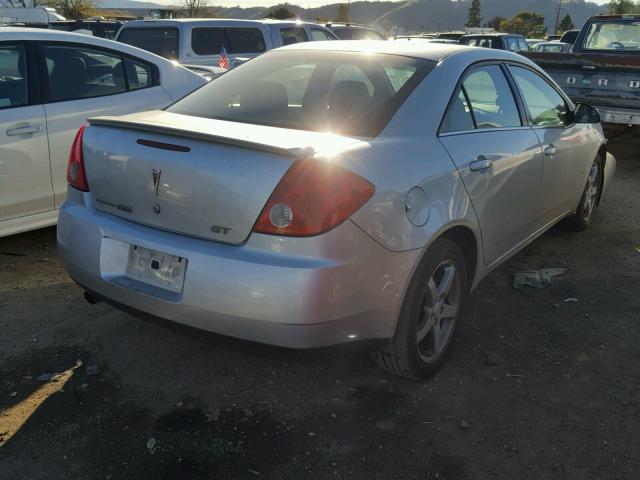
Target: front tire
[
  {"x": 429, "y": 315},
  {"x": 590, "y": 196}
]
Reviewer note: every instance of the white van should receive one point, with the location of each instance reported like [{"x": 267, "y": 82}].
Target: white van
[
  {"x": 199, "y": 41},
  {"x": 31, "y": 16}
]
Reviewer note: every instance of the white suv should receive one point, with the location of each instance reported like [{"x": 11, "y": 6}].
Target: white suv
[
  {"x": 50, "y": 83},
  {"x": 200, "y": 41}
]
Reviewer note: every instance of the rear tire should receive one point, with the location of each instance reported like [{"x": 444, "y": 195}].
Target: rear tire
[
  {"x": 590, "y": 196},
  {"x": 429, "y": 315}
]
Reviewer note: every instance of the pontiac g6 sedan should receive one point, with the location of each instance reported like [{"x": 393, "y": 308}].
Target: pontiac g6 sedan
[{"x": 329, "y": 193}]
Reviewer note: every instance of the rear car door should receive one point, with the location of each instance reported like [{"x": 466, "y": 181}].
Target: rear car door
[
  {"x": 83, "y": 81},
  {"x": 565, "y": 146},
  {"x": 25, "y": 174},
  {"x": 498, "y": 157}
]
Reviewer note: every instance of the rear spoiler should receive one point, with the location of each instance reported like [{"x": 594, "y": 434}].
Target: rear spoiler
[{"x": 120, "y": 122}]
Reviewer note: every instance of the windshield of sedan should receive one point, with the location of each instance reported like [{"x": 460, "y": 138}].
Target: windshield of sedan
[
  {"x": 613, "y": 35},
  {"x": 349, "y": 93}
]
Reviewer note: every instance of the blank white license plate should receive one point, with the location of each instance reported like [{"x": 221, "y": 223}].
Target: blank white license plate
[{"x": 156, "y": 268}]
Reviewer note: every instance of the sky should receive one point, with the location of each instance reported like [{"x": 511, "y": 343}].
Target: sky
[{"x": 302, "y": 3}]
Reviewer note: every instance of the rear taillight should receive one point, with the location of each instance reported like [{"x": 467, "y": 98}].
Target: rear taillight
[
  {"x": 76, "y": 175},
  {"x": 313, "y": 197}
]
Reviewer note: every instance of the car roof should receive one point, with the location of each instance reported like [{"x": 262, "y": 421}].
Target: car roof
[
  {"x": 215, "y": 21},
  {"x": 492, "y": 34},
  {"x": 44, "y": 34},
  {"x": 347, "y": 25},
  {"x": 408, "y": 48}
]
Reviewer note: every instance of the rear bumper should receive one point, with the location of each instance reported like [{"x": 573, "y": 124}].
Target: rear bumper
[
  {"x": 619, "y": 116},
  {"x": 299, "y": 293}
]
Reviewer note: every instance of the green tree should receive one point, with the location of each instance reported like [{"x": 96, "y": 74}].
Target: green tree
[
  {"x": 473, "y": 17},
  {"x": 281, "y": 12},
  {"x": 622, "y": 6},
  {"x": 495, "y": 23},
  {"x": 528, "y": 24},
  {"x": 343, "y": 15},
  {"x": 566, "y": 24}
]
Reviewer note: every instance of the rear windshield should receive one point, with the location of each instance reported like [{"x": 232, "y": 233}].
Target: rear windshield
[
  {"x": 613, "y": 35},
  {"x": 209, "y": 41},
  {"x": 158, "y": 40},
  {"x": 342, "y": 92}
]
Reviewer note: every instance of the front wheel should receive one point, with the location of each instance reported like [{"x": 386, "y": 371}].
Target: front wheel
[
  {"x": 429, "y": 315},
  {"x": 589, "y": 200}
]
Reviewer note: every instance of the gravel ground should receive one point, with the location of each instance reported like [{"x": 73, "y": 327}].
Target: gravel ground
[{"x": 536, "y": 387}]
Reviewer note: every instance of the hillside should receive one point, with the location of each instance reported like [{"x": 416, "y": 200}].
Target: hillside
[{"x": 414, "y": 15}]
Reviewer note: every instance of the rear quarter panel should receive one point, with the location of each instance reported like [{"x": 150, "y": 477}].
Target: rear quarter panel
[{"x": 406, "y": 155}]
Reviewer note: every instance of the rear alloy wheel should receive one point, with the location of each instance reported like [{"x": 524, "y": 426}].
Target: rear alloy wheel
[
  {"x": 590, "y": 196},
  {"x": 429, "y": 315}
]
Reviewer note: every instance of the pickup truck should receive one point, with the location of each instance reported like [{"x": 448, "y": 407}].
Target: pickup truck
[
  {"x": 603, "y": 69},
  {"x": 200, "y": 41}
]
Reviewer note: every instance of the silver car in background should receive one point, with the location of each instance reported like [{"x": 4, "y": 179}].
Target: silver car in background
[{"x": 331, "y": 192}]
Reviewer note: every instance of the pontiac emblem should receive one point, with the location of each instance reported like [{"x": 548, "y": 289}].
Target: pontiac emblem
[{"x": 156, "y": 180}]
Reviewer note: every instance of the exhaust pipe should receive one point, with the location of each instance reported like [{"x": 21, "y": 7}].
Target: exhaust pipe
[{"x": 91, "y": 298}]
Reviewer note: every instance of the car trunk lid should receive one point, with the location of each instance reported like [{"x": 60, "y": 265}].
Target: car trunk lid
[{"x": 200, "y": 177}]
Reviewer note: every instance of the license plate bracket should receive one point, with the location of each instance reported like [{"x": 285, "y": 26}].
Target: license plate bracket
[{"x": 156, "y": 268}]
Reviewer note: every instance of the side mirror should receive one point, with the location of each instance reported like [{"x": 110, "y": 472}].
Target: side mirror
[{"x": 586, "y": 114}]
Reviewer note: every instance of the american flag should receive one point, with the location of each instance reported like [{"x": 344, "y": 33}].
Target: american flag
[{"x": 223, "y": 60}]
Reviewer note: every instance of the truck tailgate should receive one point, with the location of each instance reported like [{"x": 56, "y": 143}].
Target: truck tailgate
[{"x": 600, "y": 80}]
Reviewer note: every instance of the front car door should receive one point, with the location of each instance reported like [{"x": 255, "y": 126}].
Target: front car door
[
  {"x": 25, "y": 174},
  {"x": 565, "y": 144},
  {"x": 498, "y": 156},
  {"x": 83, "y": 81}
]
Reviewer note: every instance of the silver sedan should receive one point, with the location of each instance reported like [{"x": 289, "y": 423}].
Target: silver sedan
[{"x": 331, "y": 192}]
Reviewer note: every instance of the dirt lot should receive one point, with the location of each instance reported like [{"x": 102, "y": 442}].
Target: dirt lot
[{"x": 563, "y": 401}]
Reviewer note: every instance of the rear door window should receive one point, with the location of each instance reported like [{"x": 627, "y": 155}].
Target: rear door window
[
  {"x": 293, "y": 35},
  {"x": 13, "y": 76},
  {"x": 209, "y": 41},
  {"x": 78, "y": 72},
  {"x": 161, "y": 41},
  {"x": 490, "y": 98}
]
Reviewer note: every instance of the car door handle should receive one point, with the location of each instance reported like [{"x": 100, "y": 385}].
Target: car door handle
[
  {"x": 23, "y": 130},
  {"x": 481, "y": 164},
  {"x": 550, "y": 150}
]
